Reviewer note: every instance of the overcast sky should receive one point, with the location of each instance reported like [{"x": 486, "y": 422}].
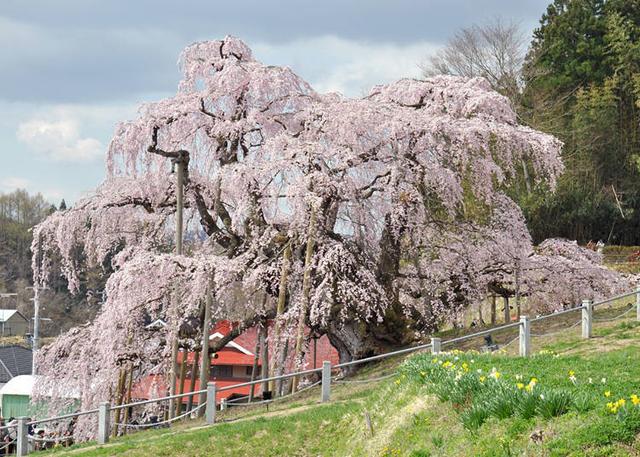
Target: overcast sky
[{"x": 71, "y": 69}]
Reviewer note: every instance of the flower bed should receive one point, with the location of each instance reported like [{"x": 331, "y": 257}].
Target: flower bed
[{"x": 480, "y": 393}]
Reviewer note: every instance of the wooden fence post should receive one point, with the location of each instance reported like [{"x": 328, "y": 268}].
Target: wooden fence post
[
  {"x": 436, "y": 345},
  {"x": 210, "y": 414},
  {"x": 587, "y": 318},
  {"x": 525, "y": 336},
  {"x": 326, "y": 382},
  {"x": 22, "y": 445},
  {"x": 104, "y": 422}
]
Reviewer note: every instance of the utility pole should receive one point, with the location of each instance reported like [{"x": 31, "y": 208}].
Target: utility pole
[{"x": 179, "y": 164}]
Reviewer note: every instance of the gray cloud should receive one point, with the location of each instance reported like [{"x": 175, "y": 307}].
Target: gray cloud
[
  {"x": 279, "y": 20},
  {"x": 72, "y": 68},
  {"x": 84, "y": 50}
]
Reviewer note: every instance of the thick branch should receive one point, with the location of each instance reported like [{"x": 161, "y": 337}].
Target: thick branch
[{"x": 217, "y": 345}]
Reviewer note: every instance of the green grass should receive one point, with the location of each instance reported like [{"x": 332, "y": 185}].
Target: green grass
[
  {"x": 275, "y": 436},
  {"x": 423, "y": 415}
]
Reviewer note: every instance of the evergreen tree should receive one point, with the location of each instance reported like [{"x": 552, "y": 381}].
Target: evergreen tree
[{"x": 583, "y": 85}]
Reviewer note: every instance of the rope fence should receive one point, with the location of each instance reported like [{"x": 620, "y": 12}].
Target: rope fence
[
  {"x": 610, "y": 319},
  {"x": 161, "y": 423},
  {"x": 557, "y": 332},
  {"x": 210, "y": 406},
  {"x": 364, "y": 381}
]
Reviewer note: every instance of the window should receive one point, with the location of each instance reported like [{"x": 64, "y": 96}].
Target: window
[
  {"x": 222, "y": 371},
  {"x": 249, "y": 371}
]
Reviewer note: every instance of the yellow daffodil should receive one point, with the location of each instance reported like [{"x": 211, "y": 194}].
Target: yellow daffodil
[
  {"x": 572, "y": 373},
  {"x": 635, "y": 400},
  {"x": 482, "y": 378},
  {"x": 520, "y": 386},
  {"x": 607, "y": 393}
]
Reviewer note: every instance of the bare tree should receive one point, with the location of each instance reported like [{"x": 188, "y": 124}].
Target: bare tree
[{"x": 494, "y": 51}]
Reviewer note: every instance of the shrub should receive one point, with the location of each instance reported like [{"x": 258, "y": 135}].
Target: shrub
[
  {"x": 527, "y": 407},
  {"x": 501, "y": 400},
  {"x": 474, "y": 417},
  {"x": 554, "y": 403},
  {"x": 583, "y": 402}
]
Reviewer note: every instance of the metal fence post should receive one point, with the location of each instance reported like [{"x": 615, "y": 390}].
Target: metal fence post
[
  {"x": 525, "y": 336},
  {"x": 210, "y": 414},
  {"x": 22, "y": 446},
  {"x": 638, "y": 302},
  {"x": 436, "y": 345},
  {"x": 326, "y": 382},
  {"x": 223, "y": 404},
  {"x": 104, "y": 422},
  {"x": 587, "y": 318}
]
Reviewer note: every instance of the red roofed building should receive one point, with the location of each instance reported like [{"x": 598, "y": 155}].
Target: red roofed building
[{"x": 233, "y": 365}]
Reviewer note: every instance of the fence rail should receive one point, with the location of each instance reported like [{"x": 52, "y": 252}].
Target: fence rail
[{"x": 524, "y": 326}]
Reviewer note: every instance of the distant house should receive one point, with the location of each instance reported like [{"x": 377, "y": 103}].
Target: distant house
[
  {"x": 233, "y": 364},
  {"x": 14, "y": 361},
  {"x": 13, "y": 323},
  {"x": 15, "y": 396}
]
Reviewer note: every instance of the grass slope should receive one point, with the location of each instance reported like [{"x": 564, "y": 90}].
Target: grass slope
[{"x": 408, "y": 419}]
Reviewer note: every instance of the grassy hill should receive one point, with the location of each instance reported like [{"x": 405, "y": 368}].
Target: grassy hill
[{"x": 451, "y": 405}]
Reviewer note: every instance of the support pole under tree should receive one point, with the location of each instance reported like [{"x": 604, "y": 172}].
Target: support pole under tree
[
  {"x": 254, "y": 368},
  {"x": 205, "y": 363},
  {"x": 192, "y": 379},
  {"x": 507, "y": 312},
  {"x": 119, "y": 395},
  {"x": 282, "y": 297},
  {"x": 587, "y": 318},
  {"x": 183, "y": 375},
  {"x": 179, "y": 164},
  {"x": 306, "y": 292},
  {"x": 493, "y": 309},
  {"x": 525, "y": 336},
  {"x": 127, "y": 399},
  {"x": 264, "y": 351}
]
